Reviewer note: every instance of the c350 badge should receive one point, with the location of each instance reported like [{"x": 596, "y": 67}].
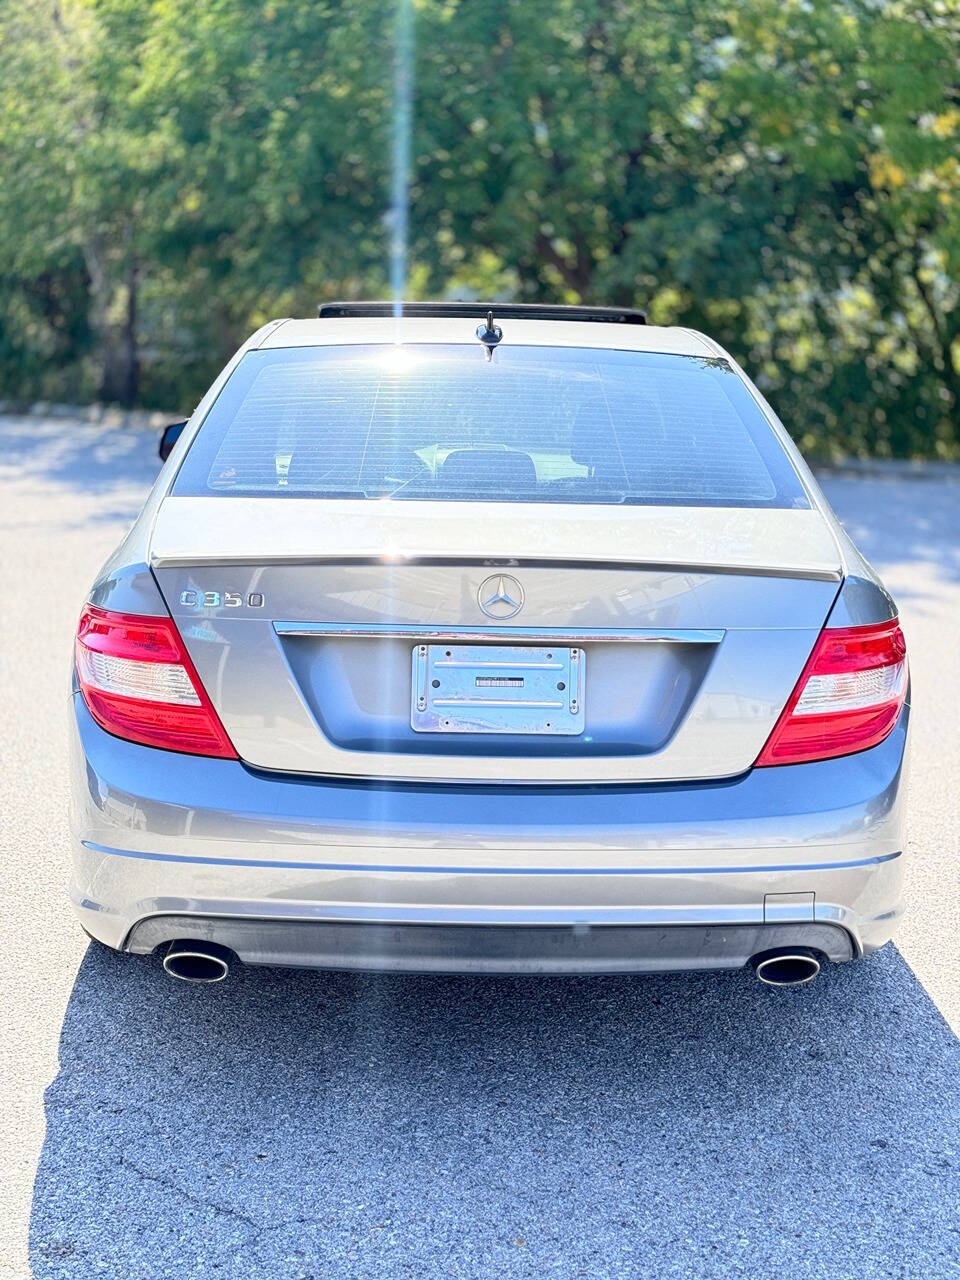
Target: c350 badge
[{"x": 218, "y": 599}]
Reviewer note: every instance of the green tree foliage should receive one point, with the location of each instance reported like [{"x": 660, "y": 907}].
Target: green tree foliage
[{"x": 782, "y": 173}]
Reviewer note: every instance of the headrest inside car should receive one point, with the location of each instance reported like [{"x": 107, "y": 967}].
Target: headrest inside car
[{"x": 488, "y": 469}]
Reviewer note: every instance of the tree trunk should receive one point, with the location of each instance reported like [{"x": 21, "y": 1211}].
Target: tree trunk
[
  {"x": 130, "y": 349},
  {"x": 117, "y": 344}
]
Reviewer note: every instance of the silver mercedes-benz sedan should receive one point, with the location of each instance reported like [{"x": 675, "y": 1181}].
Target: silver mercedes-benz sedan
[{"x": 487, "y": 638}]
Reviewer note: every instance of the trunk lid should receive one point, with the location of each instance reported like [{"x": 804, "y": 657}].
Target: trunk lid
[{"x": 305, "y": 617}]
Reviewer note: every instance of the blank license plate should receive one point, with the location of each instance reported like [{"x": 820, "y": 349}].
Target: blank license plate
[{"x": 483, "y": 688}]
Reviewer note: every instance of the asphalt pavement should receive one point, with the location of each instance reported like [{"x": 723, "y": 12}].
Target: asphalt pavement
[{"x": 330, "y": 1126}]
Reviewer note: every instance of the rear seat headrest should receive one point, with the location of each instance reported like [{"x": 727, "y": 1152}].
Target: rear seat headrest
[{"x": 508, "y": 469}]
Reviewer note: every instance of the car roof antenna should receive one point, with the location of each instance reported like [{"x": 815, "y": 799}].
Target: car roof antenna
[{"x": 489, "y": 334}]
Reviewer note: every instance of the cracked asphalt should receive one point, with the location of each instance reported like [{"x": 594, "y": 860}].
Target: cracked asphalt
[
  {"x": 312, "y": 1126},
  {"x": 350, "y": 1126}
]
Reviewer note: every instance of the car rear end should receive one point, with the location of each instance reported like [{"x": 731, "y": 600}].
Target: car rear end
[{"x": 548, "y": 658}]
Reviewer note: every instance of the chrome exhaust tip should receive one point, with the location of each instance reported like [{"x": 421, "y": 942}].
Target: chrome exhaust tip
[
  {"x": 197, "y": 961},
  {"x": 790, "y": 967}
]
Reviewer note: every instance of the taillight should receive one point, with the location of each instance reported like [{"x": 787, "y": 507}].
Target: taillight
[
  {"x": 138, "y": 682},
  {"x": 847, "y": 699}
]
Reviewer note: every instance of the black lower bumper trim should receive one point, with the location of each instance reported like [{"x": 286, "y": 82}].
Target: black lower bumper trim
[{"x": 499, "y": 948}]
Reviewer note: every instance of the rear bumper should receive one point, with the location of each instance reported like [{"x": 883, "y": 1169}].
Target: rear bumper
[{"x": 550, "y": 879}]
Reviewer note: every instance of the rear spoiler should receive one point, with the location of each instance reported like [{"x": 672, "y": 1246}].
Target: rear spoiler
[
  {"x": 479, "y": 311},
  {"x": 220, "y": 530}
]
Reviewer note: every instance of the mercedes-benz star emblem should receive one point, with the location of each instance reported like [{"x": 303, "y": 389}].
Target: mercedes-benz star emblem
[{"x": 500, "y": 596}]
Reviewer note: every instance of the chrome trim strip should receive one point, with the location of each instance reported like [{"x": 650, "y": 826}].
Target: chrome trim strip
[
  {"x": 397, "y": 561},
  {"x": 520, "y": 635},
  {"x": 408, "y": 869}
]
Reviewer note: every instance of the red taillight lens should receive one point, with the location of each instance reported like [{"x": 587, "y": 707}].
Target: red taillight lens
[
  {"x": 138, "y": 682},
  {"x": 847, "y": 699}
]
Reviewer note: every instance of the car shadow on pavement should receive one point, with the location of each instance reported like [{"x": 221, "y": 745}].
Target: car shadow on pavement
[{"x": 289, "y": 1124}]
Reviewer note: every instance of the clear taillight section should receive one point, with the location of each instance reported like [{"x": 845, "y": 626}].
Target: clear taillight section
[
  {"x": 138, "y": 682},
  {"x": 847, "y": 699}
]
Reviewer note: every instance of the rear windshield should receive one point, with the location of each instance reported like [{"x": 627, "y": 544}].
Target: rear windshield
[{"x": 533, "y": 424}]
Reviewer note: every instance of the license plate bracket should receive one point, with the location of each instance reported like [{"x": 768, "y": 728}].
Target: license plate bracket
[{"x": 485, "y": 688}]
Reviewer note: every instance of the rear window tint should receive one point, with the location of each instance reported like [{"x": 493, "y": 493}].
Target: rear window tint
[{"x": 534, "y": 424}]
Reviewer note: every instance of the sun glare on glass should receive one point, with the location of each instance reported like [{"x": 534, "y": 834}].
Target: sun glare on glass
[{"x": 398, "y": 359}]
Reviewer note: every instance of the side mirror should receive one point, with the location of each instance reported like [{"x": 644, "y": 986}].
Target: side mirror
[{"x": 169, "y": 437}]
